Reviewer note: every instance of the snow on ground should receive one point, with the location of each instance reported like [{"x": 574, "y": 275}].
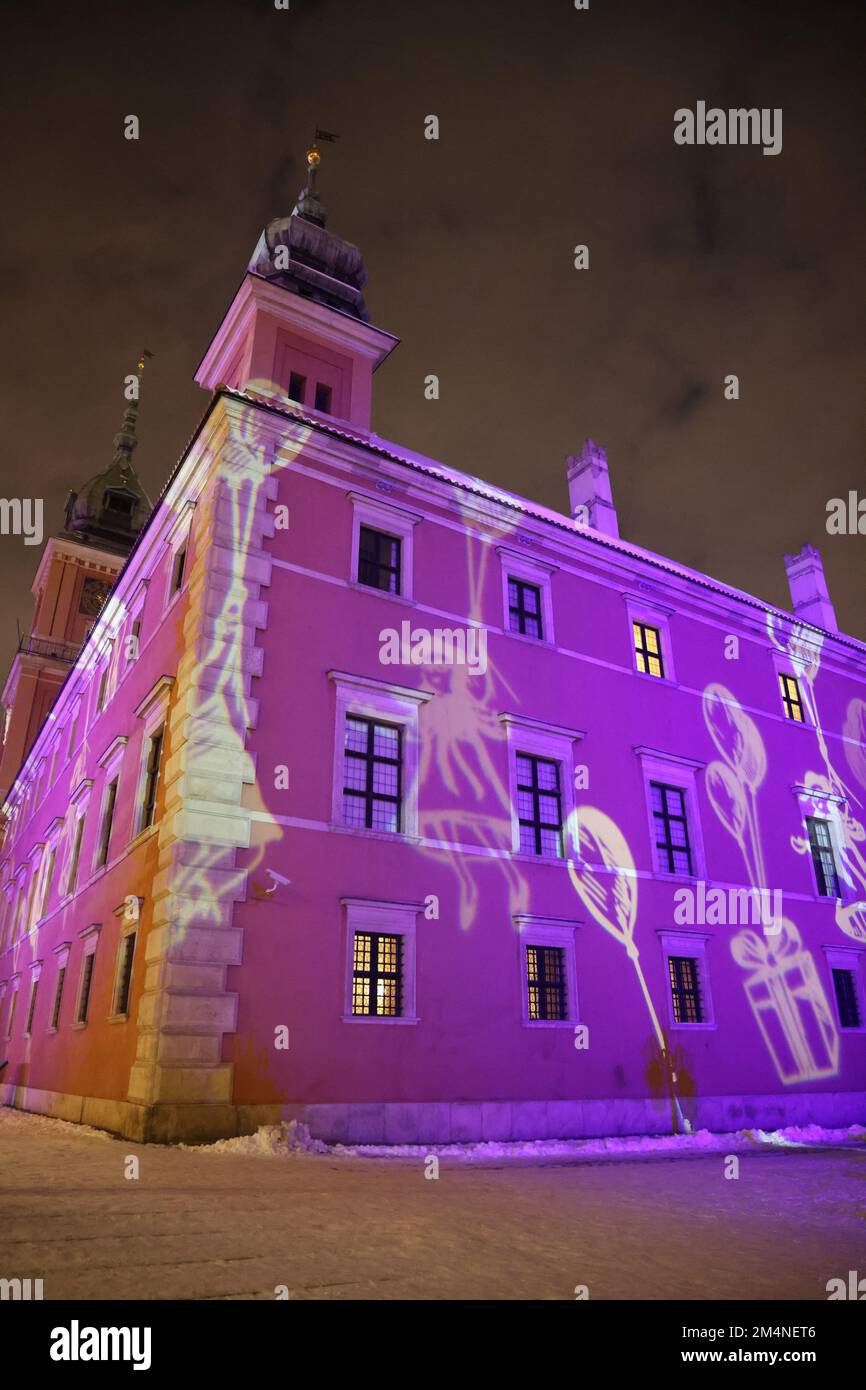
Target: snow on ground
[
  {"x": 29, "y": 1123},
  {"x": 282, "y": 1140}
]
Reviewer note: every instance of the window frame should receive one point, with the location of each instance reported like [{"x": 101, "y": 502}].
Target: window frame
[
  {"x": 389, "y": 919},
  {"x": 390, "y": 520},
  {"x": 33, "y": 999},
  {"x": 788, "y": 700},
  {"x": 693, "y": 945},
  {"x": 90, "y": 940},
  {"x": 528, "y": 569},
  {"x": 129, "y": 927},
  {"x": 363, "y": 698},
  {"x": 61, "y": 953},
  {"x": 153, "y": 711},
  {"x": 642, "y": 651},
  {"x": 850, "y": 958},
  {"x": 554, "y": 743},
  {"x": 809, "y": 819},
  {"x": 673, "y": 770},
  {"x": 543, "y": 932},
  {"x": 647, "y": 612}
]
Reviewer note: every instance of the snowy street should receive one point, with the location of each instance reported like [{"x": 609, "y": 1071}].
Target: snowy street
[{"x": 239, "y": 1220}]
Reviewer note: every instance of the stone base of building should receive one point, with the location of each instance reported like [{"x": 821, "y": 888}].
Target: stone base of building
[{"x": 440, "y": 1122}]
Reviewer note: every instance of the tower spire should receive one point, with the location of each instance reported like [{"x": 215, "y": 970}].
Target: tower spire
[
  {"x": 309, "y": 205},
  {"x": 110, "y": 509},
  {"x": 126, "y": 439}
]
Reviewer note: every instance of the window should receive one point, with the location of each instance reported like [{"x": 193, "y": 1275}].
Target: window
[
  {"x": 649, "y": 633},
  {"x": 122, "y": 504},
  {"x": 73, "y": 731},
  {"x": 673, "y": 851},
  {"x": 297, "y": 387},
  {"x": 845, "y": 985},
  {"x": 74, "y": 857},
  {"x": 823, "y": 861},
  {"x": 153, "y": 757},
  {"x": 34, "y": 989},
  {"x": 4, "y": 918},
  {"x": 382, "y": 545},
  {"x": 371, "y": 774},
  {"x": 132, "y": 642},
  {"x": 107, "y": 820},
  {"x": 126, "y": 955},
  {"x": 791, "y": 698},
  {"x": 380, "y": 961},
  {"x": 376, "y": 755},
  {"x": 13, "y": 1002},
  {"x": 647, "y": 649},
  {"x": 58, "y": 997},
  {"x": 685, "y": 989},
  {"x": 47, "y": 880},
  {"x": 84, "y": 988},
  {"x": 379, "y": 560},
  {"x": 524, "y": 608},
  {"x": 178, "y": 566},
  {"x": 545, "y": 983},
  {"x": 377, "y": 974},
  {"x": 100, "y": 694},
  {"x": 539, "y": 807},
  {"x": 527, "y": 594},
  {"x": 323, "y": 397}
]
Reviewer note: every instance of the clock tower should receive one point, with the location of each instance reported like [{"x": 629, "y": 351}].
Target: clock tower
[{"x": 78, "y": 567}]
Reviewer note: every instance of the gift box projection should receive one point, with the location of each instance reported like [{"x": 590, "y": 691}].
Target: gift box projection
[{"x": 342, "y": 786}]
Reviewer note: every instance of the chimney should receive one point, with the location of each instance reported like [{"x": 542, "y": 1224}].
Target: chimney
[
  {"x": 808, "y": 587},
  {"x": 589, "y": 494}
]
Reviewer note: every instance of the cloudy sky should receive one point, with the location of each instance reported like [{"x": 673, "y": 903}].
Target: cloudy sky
[{"x": 556, "y": 128}]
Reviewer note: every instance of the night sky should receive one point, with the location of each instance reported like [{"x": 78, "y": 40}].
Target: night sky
[{"x": 556, "y": 128}]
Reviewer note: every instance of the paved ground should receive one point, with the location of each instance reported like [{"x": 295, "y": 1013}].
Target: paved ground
[{"x": 208, "y": 1225}]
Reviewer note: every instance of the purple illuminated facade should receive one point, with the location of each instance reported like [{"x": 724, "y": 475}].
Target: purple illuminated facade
[{"x": 385, "y": 800}]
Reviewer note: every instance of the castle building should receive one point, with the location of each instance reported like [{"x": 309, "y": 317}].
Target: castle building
[{"x": 343, "y": 786}]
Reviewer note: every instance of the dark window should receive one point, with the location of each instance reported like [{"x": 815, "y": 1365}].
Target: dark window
[
  {"x": 124, "y": 975},
  {"x": 685, "y": 989},
  {"x": 34, "y": 989},
  {"x": 58, "y": 996},
  {"x": 297, "y": 387},
  {"x": 76, "y": 852},
  {"x": 133, "y": 642},
  {"x": 86, "y": 981},
  {"x": 545, "y": 981},
  {"x": 647, "y": 649},
  {"x": 377, "y": 975},
  {"x": 539, "y": 809},
  {"x": 822, "y": 857},
  {"x": 178, "y": 567},
  {"x": 846, "y": 998},
  {"x": 371, "y": 774},
  {"x": 379, "y": 560},
  {"x": 100, "y": 695},
  {"x": 673, "y": 851},
  {"x": 791, "y": 698},
  {"x": 323, "y": 397},
  {"x": 107, "y": 819},
  {"x": 151, "y": 778},
  {"x": 524, "y": 608},
  {"x": 48, "y": 880},
  {"x": 122, "y": 504}
]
